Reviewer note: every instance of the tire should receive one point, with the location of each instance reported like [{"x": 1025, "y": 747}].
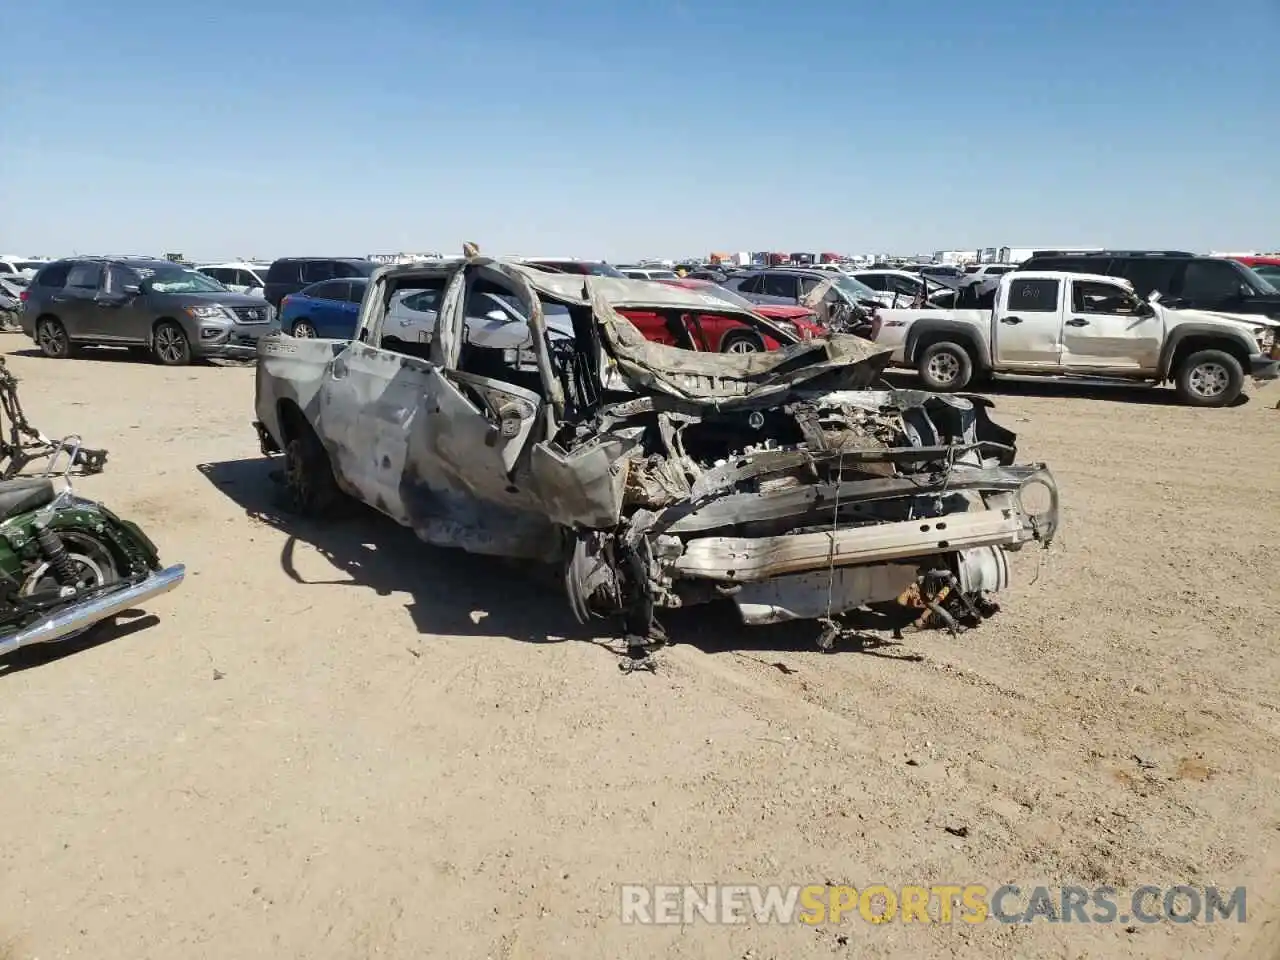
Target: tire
[
  {"x": 96, "y": 566},
  {"x": 303, "y": 329},
  {"x": 1209, "y": 378},
  {"x": 169, "y": 345},
  {"x": 310, "y": 487},
  {"x": 741, "y": 342},
  {"x": 945, "y": 367},
  {"x": 52, "y": 337}
]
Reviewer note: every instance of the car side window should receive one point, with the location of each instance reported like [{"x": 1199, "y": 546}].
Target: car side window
[
  {"x": 85, "y": 276},
  {"x": 314, "y": 271},
  {"x": 1210, "y": 280},
  {"x": 808, "y": 285},
  {"x": 1149, "y": 274},
  {"x": 243, "y": 278},
  {"x": 780, "y": 285},
  {"x": 119, "y": 277},
  {"x": 876, "y": 281},
  {"x": 751, "y": 284},
  {"x": 333, "y": 290},
  {"x": 1033, "y": 296},
  {"x": 54, "y": 277},
  {"x": 284, "y": 271},
  {"x": 217, "y": 273},
  {"x": 355, "y": 290},
  {"x": 1089, "y": 296}
]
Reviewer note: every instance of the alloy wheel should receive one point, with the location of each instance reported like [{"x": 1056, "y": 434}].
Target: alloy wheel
[
  {"x": 1209, "y": 380},
  {"x": 944, "y": 368},
  {"x": 52, "y": 338}
]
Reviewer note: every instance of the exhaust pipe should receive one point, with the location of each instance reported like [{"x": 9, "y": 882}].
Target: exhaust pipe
[{"x": 81, "y": 617}]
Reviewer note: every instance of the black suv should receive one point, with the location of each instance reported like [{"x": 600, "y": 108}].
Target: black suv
[
  {"x": 290, "y": 274},
  {"x": 1201, "y": 283},
  {"x": 170, "y": 310}
]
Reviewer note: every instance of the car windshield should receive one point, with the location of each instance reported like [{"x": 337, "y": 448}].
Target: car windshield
[
  {"x": 1261, "y": 281},
  {"x": 183, "y": 281},
  {"x": 720, "y": 293},
  {"x": 853, "y": 288},
  {"x": 603, "y": 270}
]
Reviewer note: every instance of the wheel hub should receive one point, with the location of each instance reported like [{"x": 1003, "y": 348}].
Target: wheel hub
[
  {"x": 944, "y": 368},
  {"x": 1209, "y": 380}
]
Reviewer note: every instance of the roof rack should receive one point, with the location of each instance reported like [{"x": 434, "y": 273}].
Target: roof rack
[{"x": 1111, "y": 253}]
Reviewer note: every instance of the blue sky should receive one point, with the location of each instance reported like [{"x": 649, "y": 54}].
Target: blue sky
[{"x": 638, "y": 128}]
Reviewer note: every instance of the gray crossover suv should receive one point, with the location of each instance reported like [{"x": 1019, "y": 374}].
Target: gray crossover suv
[{"x": 171, "y": 311}]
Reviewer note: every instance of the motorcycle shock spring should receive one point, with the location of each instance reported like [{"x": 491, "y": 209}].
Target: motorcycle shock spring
[{"x": 56, "y": 553}]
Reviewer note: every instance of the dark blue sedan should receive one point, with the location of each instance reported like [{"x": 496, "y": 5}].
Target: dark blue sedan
[{"x": 327, "y": 309}]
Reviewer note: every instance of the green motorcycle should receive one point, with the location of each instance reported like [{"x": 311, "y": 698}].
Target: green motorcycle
[{"x": 67, "y": 563}]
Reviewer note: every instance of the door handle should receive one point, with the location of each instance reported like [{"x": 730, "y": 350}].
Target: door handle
[
  {"x": 1077, "y": 322},
  {"x": 1010, "y": 319}
]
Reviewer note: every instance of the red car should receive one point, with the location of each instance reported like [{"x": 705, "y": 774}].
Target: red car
[
  {"x": 717, "y": 333},
  {"x": 1268, "y": 268}
]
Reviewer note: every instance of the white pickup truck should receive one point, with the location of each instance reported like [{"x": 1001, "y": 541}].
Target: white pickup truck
[{"x": 1080, "y": 325}]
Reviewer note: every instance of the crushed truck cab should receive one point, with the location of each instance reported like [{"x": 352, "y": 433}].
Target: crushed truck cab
[{"x": 653, "y": 476}]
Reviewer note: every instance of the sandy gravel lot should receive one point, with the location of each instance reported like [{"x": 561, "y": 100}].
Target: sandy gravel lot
[{"x": 333, "y": 742}]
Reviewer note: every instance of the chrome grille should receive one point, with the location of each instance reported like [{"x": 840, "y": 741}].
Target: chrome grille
[{"x": 253, "y": 314}]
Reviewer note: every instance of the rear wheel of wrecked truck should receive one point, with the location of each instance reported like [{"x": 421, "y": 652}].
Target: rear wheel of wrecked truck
[
  {"x": 1209, "y": 378},
  {"x": 309, "y": 483},
  {"x": 945, "y": 367}
]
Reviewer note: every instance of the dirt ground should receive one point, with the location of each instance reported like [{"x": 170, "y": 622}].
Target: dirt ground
[{"x": 334, "y": 742}]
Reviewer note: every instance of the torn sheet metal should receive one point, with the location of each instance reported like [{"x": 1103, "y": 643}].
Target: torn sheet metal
[{"x": 786, "y": 482}]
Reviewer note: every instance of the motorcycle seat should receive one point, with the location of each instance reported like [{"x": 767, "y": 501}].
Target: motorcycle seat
[{"x": 23, "y": 494}]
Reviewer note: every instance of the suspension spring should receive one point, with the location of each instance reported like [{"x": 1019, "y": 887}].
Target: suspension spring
[{"x": 52, "y": 547}]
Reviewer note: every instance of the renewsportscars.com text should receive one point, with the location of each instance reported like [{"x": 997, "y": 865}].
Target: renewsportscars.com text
[{"x": 936, "y": 903}]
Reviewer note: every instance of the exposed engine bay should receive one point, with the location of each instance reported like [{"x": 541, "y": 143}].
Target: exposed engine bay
[{"x": 828, "y": 503}]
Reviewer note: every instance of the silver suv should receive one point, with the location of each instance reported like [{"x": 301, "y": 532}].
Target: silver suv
[{"x": 171, "y": 311}]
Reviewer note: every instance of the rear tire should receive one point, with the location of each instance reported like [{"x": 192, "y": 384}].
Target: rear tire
[
  {"x": 169, "y": 345},
  {"x": 310, "y": 486},
  {"x": 1209, "y": 378},
  {"x": 945, "y": 367},
  {"x": 52, "y": 337},
  {"x": 303, "y": 329}
]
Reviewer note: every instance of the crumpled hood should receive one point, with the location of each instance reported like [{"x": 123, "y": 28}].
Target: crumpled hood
[{"x": 731, "y": 379}]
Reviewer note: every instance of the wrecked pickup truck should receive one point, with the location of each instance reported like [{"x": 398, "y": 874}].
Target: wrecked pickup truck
[{"x": 653, "y": 476}]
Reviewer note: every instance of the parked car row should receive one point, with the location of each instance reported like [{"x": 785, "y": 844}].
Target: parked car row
[{"x": 1204, "y": 324}]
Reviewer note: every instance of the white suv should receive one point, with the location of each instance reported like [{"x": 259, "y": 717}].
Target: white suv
[{"x": 250, "y": 278}]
